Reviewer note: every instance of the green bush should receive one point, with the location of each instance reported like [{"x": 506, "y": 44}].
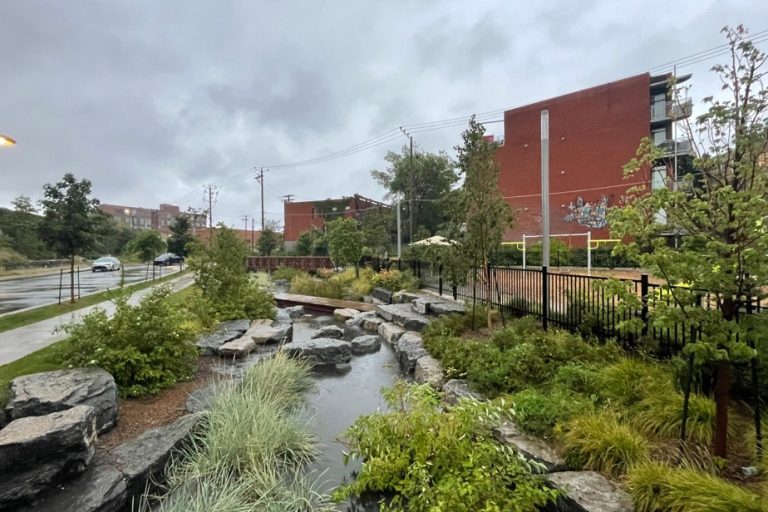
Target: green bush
[
  {"x": 655, "y": 486},
  {"x": 429, "y": 460},
  {"x": 287, "y": 273},
  {"x": 629, "y": 380},
  {"x": 146, "y": 347},
  {"x": 600, "y": 441},
  {"x": 395, "y": 280},
  {"x": 580, "y": 378},
  {"x": 329, "y": 288},
  {"x": 537, "y": 412}
]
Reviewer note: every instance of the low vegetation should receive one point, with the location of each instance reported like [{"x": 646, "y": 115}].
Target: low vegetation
[{"x": 346, "y": 284}]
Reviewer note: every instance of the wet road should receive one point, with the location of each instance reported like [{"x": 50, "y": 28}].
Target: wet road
[{"x": 27, "y": 292}]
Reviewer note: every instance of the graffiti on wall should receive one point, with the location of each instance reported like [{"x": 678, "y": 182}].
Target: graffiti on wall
[{"x": 588, "y": 213}]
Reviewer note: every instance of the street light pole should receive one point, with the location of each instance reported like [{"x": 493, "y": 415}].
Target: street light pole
[{"x": 410, "y": 187}]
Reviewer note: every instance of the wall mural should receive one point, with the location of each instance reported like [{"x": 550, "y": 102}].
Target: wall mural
[{"x": 590, "y": 214}]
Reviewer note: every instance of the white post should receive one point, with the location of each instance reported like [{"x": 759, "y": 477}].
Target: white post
[
  {"x": 589, "y": 253},
  {"x": 399, "y": 243},
  {"x": 545, "y": 188},
  {"x": 523, "y": 252}
]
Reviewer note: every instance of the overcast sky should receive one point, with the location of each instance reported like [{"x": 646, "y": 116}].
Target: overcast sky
[{"x": 152, "y": 100}]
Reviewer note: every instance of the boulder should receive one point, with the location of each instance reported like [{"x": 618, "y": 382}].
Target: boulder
[
  {"x": 421, "y": 305},
  {"x": 456, "y": 389},
  {"x": 530, "y": 447},
  {"x": 100, "y": 489},
  {"x": 429, "y": 371},
  {"x": 588, "y": 491},
  {"x": 344, "y": 314},
  {"x": 351, "y": 332},
  {"x": 294, "y": 312},
  {"x": 284, "y": 327},
  {"x": 328, "y": 331},
  {"x": 403, "y": 315},
  {"x": 390, "y": 332},
  {"x": 365, "y": 344},
  {"x": 342, "y": 367},
  {"x": 447, "y": 307},
  {"x": 38, "y": 451},
  {"x": 201, "y": 399},
  {"x": 355, "y": 321},
  {"x": 321, "y": 351},
  {"x": 144, "y": 457},
  {"x": 43, "y": 393},
  {"x": 240, "y": 347},
  {"x": 322, "y": 320},
  {"x": 270, "y": 331},
  {"x": 210, "y": 342},
  {"x": 403, "y": 296},
  {"x": 372, "y": 322},
  {"x": 382, "y": 294},
  {"x": 410, "y": 348}
]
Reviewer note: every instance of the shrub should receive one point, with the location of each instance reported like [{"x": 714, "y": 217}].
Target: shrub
[
  {"x": 395, "y": 280},
  {"x": 146, "y": 347},
  {"x": 599, "y": 441},
  {"x": 432, "y": 460},
  {"x": 579, "y": 378},
  {"x": 629, "y": 380},
  {"x": 537, "y": 412},
  {"x": 286, "y": 273},
  {"x": 656, "y": 486},
  {"x": 308, "y": 285}
]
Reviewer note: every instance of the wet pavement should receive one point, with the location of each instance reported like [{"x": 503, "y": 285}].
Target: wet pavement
[{"x": 28, "y": 292}]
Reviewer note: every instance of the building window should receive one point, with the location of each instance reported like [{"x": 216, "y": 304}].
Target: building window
[
  {"x": 659, "y": 178},
  {"x": 659, "y": 136}
]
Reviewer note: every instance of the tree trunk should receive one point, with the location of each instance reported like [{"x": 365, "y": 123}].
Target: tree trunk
[
  {"x": 72, "y": 279},
  {"x": 722, "y": 390}
]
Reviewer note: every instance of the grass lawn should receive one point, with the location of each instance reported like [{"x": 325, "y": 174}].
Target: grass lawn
[{"x": 13, "y": 321}]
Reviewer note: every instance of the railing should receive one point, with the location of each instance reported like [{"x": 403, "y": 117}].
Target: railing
[
  {"x": 269, "y": 263},
  {"x": 683, "y": 147},
  {"x": 670, "y": 110}
]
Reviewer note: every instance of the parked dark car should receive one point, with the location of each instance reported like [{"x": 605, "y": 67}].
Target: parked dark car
[{"x": 167, "y": 259}]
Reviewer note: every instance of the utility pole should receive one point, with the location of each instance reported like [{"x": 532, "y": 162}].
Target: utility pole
[
  {"x": 253, "y": 235},
  {"x": 410, "y": 186},
  {"x": 399, "y": 236},
  {"x": 211, "y": 191},
  {"x": 245, "y": 219},
  {"x": 287, "y": 197},
  {"x": 545, "y": 188},
  {"x": 260, "y": 179}
]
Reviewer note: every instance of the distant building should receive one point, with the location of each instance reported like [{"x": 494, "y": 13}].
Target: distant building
[
  {"x": 592, "y": 134},
  {"x": 302, "y": 216},
  {"x": 250, "y": 237},
  {"x": 160, "y": 219}
]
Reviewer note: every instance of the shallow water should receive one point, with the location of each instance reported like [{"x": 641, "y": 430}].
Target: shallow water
[{"x": 337, "y": 400}]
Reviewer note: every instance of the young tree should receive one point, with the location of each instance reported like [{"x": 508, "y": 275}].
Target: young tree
[
  {"x": 147, "y": 244},
  {"x": 180, "y": 236},
  {"x": 268, "y": 242},
  {"x": 719, "y": 214},
  {"x": 345, "y": 242},
  {"x": 69, "y": 223},
  {"x": 304, "y": 243},
  {"x": 432, "y": 177},
  {"x": 377, "y": 232},
  {"x": 485, "y": 213},
  {"x": 23, "y": 204}
]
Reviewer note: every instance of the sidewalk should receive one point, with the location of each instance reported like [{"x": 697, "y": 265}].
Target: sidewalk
[{"x": 17, "y": 343}]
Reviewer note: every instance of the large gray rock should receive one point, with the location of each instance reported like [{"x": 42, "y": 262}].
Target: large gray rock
[
  {"x": 100, "y": 489},
  {"x": 321, "y": 351},
  {"x": 328, "y": 331},
  {"x": 38, "y": 451},
  {"x": 202, "y": 399},
  {"x": 447, "y": 307},
  {"x": 403, "y": 315},
  {"x": 270, "y": 331},
  {"x": 457, "y": 389},
  {"x": 382, "y": 294},
  {"x": 209, "y": 343},
  {"x": 390, "y": 332},
  {"x": 320, "y": 320},
  {"x": 429, "y": 371},
  {"x": 344, "y": 314},
  {"x": 372, "y": 322},
  {"x": 588, "y": 491},
  {"x": 421, "y": 305},
  {"x": 352, "y": 331},
  {"x": 529, "y": 446},
  {"x": 43, "y": 393},
  {"x": 240, "y": 347},
  {"x": 144, "y": 457},
  {"x": 367, "y": 344},
  {"x": 403, "y": 296},
  {"x": 294, "y": 312},
  {"x": 409, "y": 349}
]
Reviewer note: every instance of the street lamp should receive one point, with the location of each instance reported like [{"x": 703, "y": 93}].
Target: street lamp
[{"x": 6, "y": 140}]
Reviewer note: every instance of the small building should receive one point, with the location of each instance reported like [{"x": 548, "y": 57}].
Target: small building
[
  {"x": 593, "y": 133},
  {"x": 303, "y": 216},
  {"x": 160, "y": 219}
]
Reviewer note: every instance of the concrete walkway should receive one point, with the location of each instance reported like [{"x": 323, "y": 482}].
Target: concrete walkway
[{"x": 17, "y": 343}]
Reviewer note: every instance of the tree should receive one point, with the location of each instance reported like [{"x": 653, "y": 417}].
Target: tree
[
  {"x": 432, "y": 177},
  {"x": 377, "y": 231},
  {"x": 147, "y": 244},
  {"x": 484, "y": 212},
  {"x": 23, "y": 204},
  {"x": 70, "y": 220},
  {"x": 719, "y": 214},
  {"x": 268, "y": 242},
  {"x": 345, "y": 242},
  {"x": 180, "y": 236},
  {"x": 304, "y": 242}
]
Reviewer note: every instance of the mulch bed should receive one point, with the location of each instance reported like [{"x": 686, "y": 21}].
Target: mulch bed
[{"x": 137, "y": 415}]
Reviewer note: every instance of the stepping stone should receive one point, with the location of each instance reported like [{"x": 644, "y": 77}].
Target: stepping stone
[
  {"x": 240, "y": 347},
  {"x": 390, "y": 332},
  {"x": 320, "y": 351},
  {"x": 429, "y": 371},
  {"x": 328, "y": 331},
  {"x": 403, "y": 315},
  {"x": 447, "y": 308},
  {"x": 344, "y": 314},
  {"x": 403, "y": 296},
  {"x": 225, "y": 331},
  {"x": 43, "y": 393},
  {"x": 532, "y": 448},
  {"x": 366, "y": 344},
  {"x": 588, "y": 491},
  {"x": 382, "y": 294}
]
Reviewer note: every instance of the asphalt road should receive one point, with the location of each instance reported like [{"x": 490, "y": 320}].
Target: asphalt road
[{"x": 28, "y": 292}]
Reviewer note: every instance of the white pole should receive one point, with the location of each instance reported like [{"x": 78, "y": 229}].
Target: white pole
[
  {"x": 589, "y": 253},
  {"x": 399, "y": 242},
  {"x": 545, "y": 187},
  {"x": 523, "y": 252}
]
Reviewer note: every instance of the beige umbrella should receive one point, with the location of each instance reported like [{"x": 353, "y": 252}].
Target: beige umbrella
[{"x": 435, "y": 240}]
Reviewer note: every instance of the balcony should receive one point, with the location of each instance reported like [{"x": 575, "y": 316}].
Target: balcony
[
  {"x": 684, "y": 147},
  {"x": 664, "y": 111}
]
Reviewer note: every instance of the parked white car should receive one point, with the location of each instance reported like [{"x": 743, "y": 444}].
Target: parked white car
[{"x": 106, "y": 263}]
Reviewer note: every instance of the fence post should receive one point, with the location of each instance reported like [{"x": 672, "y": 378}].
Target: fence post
[
  {"x": 544, "y": 297},
  {"x": 455, "y": 290},
  {"x": 61, "y": 278},
  {"x": 399, "y": 264},
  {"x": 78, "y": 283},
  {"x": 755, "y": 387},
  {"x": 440, "y": 280},
  {"x": 644, "y": 298}
]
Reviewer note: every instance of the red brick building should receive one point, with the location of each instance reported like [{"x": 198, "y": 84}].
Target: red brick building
[
  {"x": 302, "y": 216},
  {"x": 592, "y": 134},
  {"x": 160, "y": 219}
]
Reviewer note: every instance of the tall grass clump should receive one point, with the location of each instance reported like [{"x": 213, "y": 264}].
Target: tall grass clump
[
  {"x": 656, "y": 486},
  {"x": 662, "y": 415},
  {"x": 600, "y": 441},
  {"x": 250, "y": 448},
  {"x": 630, "y": 380}
]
